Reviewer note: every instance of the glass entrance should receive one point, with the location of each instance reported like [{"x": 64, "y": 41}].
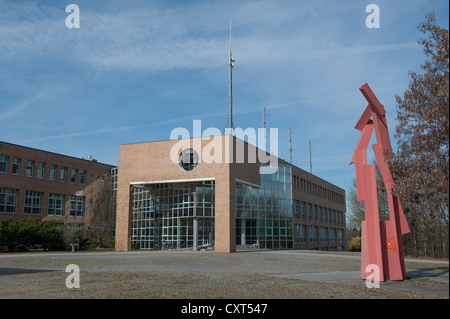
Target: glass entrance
[{"x": 164, "y": 215}]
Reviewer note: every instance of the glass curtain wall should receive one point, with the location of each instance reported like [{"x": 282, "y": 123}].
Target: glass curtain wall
[
  {"x": 264, "y": 215},
  {"x": 163, "y": 215}
]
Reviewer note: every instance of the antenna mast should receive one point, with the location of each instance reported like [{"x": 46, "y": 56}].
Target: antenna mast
[
  {"x": 310, "y": 158},
  {"x": 230, "y": 91},
  {"x": 264, "y": 126},
  {"x": 290, "y": 145}
]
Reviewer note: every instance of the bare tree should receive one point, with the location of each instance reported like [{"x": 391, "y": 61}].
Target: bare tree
[
  {"x": 101, "y": 221},
  {"x": 420, "y": 165}
]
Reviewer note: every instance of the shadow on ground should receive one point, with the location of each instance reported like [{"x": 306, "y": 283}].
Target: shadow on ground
[{"x": 18, "y": 271}]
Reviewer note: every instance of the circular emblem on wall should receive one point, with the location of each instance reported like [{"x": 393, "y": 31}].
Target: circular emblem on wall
[{"x": 188, "y": 160}]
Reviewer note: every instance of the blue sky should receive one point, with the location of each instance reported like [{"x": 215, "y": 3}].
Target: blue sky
[{"x": 135, "y": 70}]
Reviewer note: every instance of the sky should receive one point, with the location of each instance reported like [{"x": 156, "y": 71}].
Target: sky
[{"x": 135, "y": 70}]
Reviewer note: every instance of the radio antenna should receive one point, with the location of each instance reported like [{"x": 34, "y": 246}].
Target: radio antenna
[{"x": 230, "y": 125}]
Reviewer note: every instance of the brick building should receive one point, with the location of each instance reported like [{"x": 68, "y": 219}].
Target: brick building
[
  {"x": 49, "y": 186},
  {"x": 171, "y": 195}
]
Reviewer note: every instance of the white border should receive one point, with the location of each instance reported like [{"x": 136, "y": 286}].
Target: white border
[{"x": 174, "y": 181}]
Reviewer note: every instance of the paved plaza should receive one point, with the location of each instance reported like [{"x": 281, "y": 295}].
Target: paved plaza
[{"x": 279, "y": 274}]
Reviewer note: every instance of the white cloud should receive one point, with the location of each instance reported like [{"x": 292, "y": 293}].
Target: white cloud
[{"x": 156, "y": 39}]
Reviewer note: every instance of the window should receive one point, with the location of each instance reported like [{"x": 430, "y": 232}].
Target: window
[
  {"x": 188, "y": 160},
  {"x": 16, "y": 166},
  {"x": 303, "y": 210},
  {"x": 76, "y": 206},
  {"x": 309, "y": 211},
  {"x": 300, "y": 234},
  {"x": 3, "y": 164},
  {"x": 32, "y": 203},
  {"x": 323, "y": 235},
  {"x": 73, "y": 179},
  {"x": 41, "y": 170},
  {"x": 332, "y": 232},
  {"x": 315, "y": 212},
  {"x": 340, "y": 235},
  {"x": 82, "y": 177},
  {"x": 312, "y": 234},
  {"x": 296, "y": 208},
  {"x": 55, "y": 205},
  {"x": 62, "y": 174},
  {"x": 8, "y": 200},
  {"x": 53, "y": 169},
  {"x": 30, "y": 168}
]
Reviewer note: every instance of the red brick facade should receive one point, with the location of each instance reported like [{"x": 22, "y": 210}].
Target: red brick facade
[{"x": 35, "y": 195}]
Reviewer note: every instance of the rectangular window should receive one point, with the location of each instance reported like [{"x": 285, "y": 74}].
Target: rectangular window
[
  {"x": 315, "y": 212},
  {"x": 340, "y": 235},
  {"x": 55, "y": 205},
  {"x": 76, "y": 206},
  {"x": 62, "y": 174},
  {"x": 41, "y": 170},
  {"x": 53, "y": 169},
  {"x": 300, "y": 234},
  {"x": 3, "y": 163},
  {"x": 309, "y": 211},
  {"x": 32, "y": 204},
  {"x": 8, "y": 200},
  {"x": 312, "y": 234},
  {"x": 296, "y": 208},
  {"x": 73, "y": 179},
  {"x": 30, "y": 168},
  {"x": 297, "y": 233},
  {"x": 16, "y": 166},
  {"x": 303, "y": 210},
  {"x": 323, "y": 235},
  {"x": 332, "y": 234},
  {"x": 82, "y": 177}
]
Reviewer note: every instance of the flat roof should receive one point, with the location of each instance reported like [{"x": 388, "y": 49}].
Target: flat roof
[
  {"x": 283, "y": 162},
  {"x": 53, "y": 153}
]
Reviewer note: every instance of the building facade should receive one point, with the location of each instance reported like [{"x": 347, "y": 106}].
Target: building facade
[
  {"x": 217, "y": 192},
  {"x": 48, "y": 186}
]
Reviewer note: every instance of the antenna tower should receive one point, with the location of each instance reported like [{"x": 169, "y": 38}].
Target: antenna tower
[
  {"x": 290, "y": 145},
  {"x": 310, "y": 158},
  {"x": 230, "y": 125},
  {"x": 264, "y": 126}
]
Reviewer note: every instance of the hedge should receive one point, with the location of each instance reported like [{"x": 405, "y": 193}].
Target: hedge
[{"x": 21, "y": 235}]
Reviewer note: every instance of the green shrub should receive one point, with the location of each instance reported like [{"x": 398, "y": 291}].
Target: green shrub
[{"x": 21, "y": 235}]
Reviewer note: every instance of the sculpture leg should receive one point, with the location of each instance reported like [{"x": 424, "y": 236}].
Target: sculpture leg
[{"x": 372, "y": 235}]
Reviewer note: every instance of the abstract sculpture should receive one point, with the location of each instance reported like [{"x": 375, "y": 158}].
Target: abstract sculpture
[{"x": 381, "y": 241}]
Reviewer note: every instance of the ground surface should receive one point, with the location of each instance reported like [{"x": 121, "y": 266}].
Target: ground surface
[{"x": 278, "y": 274}]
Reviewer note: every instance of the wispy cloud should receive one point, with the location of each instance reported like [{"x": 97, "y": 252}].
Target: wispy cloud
[
  {"x": 162, "y": 39},
  {"x": 17, "y": 109}
]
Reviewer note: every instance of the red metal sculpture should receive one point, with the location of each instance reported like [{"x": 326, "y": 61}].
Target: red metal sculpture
[{"x": 381, "y": 241}]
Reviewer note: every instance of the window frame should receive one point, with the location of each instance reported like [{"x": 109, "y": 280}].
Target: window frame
[{"x": 4, "y": 164}]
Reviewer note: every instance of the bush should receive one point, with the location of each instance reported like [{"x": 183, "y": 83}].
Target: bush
[
  {"x": 21, "y": 235},
  {"x": 354, "y": 244}
]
